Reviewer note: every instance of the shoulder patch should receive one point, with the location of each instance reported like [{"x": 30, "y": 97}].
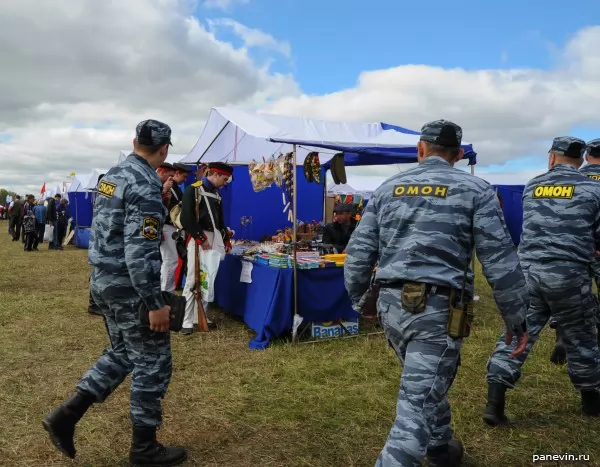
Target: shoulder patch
[
  {"x": 197, "y": 184},
  {"x": 150, "y": 227},
  {"x": 593, "y": 177},
  {"x": 107, "y": 189},
  {"x": 436, "y": 191},
  {"x": 553, "y": 191}
]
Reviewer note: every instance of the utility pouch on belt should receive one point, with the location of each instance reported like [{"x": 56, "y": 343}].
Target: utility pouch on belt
[
  {"x": 461, "y": 315},
  {"x": 414, "y": 296}
]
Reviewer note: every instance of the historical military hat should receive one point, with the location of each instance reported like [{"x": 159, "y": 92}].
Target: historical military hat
[
  {"x": 153, "y": 133},
  {"x": 166, "y": 165},
  {"x": 182, "y": 167},
  {"x": 343, "y": 207},
  {"x": 593, "y": 148},
  {"x": 442, "y": 133},
  {"x": 568, "y": 146},
  {"x": 221, "y": 167}
]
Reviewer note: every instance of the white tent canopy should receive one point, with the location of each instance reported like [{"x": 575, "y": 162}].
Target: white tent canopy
[
  {"x": 343, "y": 189},
  {"x": 86, "y": 181},
  {"x": 237, "y": 137}
]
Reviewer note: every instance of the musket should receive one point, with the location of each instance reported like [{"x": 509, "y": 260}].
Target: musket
[{"x": 202, "y": 321}]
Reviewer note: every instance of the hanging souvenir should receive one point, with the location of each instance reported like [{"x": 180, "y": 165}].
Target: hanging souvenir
[
  {"x": 315, "y": 166},
  {"x": 308, "y": 173}
]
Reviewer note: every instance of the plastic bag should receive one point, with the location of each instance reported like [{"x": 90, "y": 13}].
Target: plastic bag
[
  {"x": 209, "y": 266},
  {"x": 262, "y": 174},
  {"x": 48, "y": 233}
]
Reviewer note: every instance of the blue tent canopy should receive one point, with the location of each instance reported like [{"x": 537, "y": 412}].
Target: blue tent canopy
[{"x": 377, "y": 156}]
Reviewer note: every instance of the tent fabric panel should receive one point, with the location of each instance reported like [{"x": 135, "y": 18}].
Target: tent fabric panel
[
  {"x": 512, "y": 207},
  {"x": 237, "y": 136}
]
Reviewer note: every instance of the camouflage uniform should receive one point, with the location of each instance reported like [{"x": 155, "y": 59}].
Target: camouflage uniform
[
  {"x": 561, "y": 227},
  {"x": 421, "y": 226},
  {"x": 591, "y": 171},
  {"x": 127, "y": 272},
  {"x": 124, "y": 252}
]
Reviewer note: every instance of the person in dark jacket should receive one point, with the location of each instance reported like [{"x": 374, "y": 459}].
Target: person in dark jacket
[
  {"x": 29, "y": 224},
  {"x": 16, "y": 217},
  {"x": 208, "y": 231},
  {"x": 62, "y": 217},
  {"x": 52, "y": 219},
  {"x": 40, "y": 223},
  {"x": 338, "y": 233}
]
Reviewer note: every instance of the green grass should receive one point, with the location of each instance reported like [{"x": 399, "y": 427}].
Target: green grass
[{"x": 325, "y": 404}]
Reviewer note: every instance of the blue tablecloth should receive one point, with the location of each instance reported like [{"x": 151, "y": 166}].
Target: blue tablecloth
[{"x": 267, "y": 304}]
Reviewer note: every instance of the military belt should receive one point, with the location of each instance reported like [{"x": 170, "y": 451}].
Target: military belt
[{"x": 432, "y": 289}]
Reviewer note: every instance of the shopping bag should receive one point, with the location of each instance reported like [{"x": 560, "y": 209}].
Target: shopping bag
[
  {"x": 209, "y": 266},
  {"x": 48, "y": 233},
  {"x": 219, "y": 246}
]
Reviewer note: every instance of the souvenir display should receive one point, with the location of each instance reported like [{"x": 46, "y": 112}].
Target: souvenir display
[
  {"x": 312, "y": 168},
  {"x": 288, "y": 185},
  {"x": 280, "y": 252},
  {"x": 338, "y": 169},
  {"x": 262, "y": 174}
]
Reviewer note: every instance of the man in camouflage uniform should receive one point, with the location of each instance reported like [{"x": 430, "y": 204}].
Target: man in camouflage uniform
[
  {"x": 124, "y": 253},
  {"x": 421, "y": 227},
  {"x": 561, "y": 228},
  {"x": 591, "y": 170}
]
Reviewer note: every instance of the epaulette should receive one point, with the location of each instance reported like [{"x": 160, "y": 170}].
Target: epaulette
[{"x": 197, "y": 184}]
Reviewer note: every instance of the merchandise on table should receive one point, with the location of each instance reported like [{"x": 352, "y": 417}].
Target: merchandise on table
[{"x": 280, "y": 254}]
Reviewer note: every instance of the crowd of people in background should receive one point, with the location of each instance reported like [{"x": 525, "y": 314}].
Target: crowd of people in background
[{"x": 29, "y": 218}]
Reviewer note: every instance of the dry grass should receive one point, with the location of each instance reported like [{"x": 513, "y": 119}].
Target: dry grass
[{"x": 327, "y": 404}]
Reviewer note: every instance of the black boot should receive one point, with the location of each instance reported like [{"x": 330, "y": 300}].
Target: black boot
[
  {"x": 590, "y": 403},
  {"x": 145, "y": 450},
  {"x": 559, "y": 354},
  {"x": 448, "y": 455},
  {"x": 494, "y": 410},
  {"x": 60, "y": 424}
]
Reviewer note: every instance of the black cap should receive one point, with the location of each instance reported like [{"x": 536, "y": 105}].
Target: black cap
[
  {"x": 221, "y": 167},
  {"x": 568, "y": 146},
  {"x": 153, "y": 133},
  {"x": 343, "y": 207},
  {"x": 166, "y": 165},
  {"x": 593, "y": 148},
  {"x": 182, "y": 167},
  {"x": 442, "y": 133}
]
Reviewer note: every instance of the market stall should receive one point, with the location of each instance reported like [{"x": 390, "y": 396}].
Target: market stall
[
  {"x": 277, "y": 286},
  {"x": 262, "y": 295}
]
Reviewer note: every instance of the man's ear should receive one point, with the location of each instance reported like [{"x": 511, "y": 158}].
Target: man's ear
[{"x": 421, "y": 151}]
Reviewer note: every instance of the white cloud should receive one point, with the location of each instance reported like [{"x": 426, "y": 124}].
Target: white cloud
[
  {"x": 506, "y": 114},
  {"x": 253, "y": 37},
  {"x": 78, "y": 75},
  {"x": 223, "y": 4}
]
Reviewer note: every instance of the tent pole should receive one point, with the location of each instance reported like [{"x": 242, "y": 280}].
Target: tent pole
[
  {"x": 324, "y": 195},
  {"x": 473, "y": 258},
  {"x": 213, "y": 142},
  {"x": 295, "y": 238}
]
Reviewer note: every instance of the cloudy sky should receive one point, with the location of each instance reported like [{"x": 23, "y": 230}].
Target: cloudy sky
[{"x": 77, "y": 75}]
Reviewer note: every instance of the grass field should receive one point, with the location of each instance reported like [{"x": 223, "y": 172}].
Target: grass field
[{"x": 326, "y": 404}]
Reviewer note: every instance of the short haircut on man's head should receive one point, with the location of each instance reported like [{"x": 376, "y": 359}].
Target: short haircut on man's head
[
  {"x": 451, "y": 152},
  {"x": 148, "y": 149}
]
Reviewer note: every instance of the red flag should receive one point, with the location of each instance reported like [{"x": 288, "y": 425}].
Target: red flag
[{"x": 43, "y": 189}]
